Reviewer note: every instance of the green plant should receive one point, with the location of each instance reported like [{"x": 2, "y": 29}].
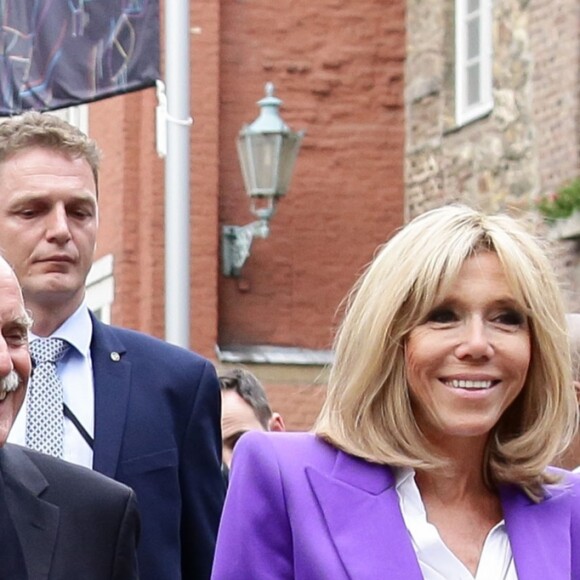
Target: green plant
[{"x": 561, "y": 204}]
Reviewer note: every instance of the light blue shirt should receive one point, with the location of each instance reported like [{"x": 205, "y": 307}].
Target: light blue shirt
[{"x": 75, "y": 370}]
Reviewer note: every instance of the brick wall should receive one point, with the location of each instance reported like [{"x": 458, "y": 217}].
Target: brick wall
[
  {"x": 131, "y": 207},
  {"x": 132, "y": 194},
  {"x": 339, "y": 67},
  {"x": 555, "y": 45}
]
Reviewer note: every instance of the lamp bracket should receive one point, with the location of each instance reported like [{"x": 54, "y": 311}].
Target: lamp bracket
[{"x": 237, "y": 242}]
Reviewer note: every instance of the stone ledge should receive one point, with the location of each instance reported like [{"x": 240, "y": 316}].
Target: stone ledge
[
  {"x": 268, "y": 354},
  {"x": 566, "y": 228}
]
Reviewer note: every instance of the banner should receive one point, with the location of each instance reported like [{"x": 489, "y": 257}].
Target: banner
[{"x": 58, "y": 53}]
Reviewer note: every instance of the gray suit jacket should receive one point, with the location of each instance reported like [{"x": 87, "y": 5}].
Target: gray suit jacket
[{"x": 71, "y": 521}]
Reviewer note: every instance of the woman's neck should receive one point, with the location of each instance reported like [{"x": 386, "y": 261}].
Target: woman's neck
[{"x": 463, "y": 474}]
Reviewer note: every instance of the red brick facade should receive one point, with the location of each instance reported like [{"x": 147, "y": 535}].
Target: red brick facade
[{"x": 338, "y": 67}]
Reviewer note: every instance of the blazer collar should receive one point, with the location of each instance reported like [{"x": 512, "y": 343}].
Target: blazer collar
[
  {"x": 112, "y": 381},
  {"x": 361, "y": 508},
  {"x": 539, "y": 533},
  {"x": 36, "y": 521}
]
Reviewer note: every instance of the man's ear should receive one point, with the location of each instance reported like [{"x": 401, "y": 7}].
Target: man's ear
[{"x": 276, "y": 423}]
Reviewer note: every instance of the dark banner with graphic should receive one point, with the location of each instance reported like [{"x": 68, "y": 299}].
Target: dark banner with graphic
[{"x": 58, "y": 53}]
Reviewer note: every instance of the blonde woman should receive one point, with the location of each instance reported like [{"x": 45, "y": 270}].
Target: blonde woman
[{"x": 450, "y": 395}]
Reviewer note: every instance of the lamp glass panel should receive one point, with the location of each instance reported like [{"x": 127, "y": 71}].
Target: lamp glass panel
[
  {"x": 290, "y": 146},
  {"x": 263, "y": 160},
  {"x": 243, "y": 156}
]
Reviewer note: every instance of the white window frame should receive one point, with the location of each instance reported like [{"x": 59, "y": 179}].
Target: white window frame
[
  {"x": 77, "y": 116},
  {"x": 465, "y": 113},
  {"x": 100, "y": 288}
]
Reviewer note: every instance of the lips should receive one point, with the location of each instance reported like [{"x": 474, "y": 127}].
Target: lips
[{"x": 67, "y": 259}]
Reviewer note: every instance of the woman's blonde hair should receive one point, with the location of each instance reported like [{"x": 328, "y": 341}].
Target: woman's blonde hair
[{"x": 368, "y": 411}]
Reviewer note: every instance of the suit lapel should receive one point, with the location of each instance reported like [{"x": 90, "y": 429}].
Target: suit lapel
[
  {"x": 36, "y": 521},
  {"x": 361, "y": 508},
  {"x": 112, "y": 379},
  {"x": 539, "y": 534}
]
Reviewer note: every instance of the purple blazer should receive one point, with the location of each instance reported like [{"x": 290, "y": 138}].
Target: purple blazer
[{"x": 298, "y": 508}]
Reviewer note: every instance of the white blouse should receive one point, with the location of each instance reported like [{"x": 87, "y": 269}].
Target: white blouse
[{"x": 436, "y": 560}]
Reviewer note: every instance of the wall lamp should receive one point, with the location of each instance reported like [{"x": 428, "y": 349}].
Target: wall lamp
[{"x": 267, "y": 150}]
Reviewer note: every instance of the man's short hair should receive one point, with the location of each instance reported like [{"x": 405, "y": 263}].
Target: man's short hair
[
  {"x": 249, "y": 388},
  {"x": 34, "y": 129}
]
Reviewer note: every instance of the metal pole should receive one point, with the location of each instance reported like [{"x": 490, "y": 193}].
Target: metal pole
[{"x": 177, "y": 234}]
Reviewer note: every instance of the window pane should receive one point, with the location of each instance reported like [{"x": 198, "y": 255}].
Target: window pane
[
  {"x": 472, "y": 6},
  {"x": 473, "y": 85},
  {"x": 473, "y": 27}
]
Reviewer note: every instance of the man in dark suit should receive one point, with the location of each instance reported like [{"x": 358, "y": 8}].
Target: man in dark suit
[
  {"x": 57, "y": 520},
  {"x": 135, "y": 408}
]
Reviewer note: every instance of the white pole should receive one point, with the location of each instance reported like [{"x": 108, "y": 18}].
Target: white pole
[{"x": 177, "y": 235}]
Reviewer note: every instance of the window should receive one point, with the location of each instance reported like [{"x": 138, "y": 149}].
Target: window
[
  {"x": 101, "y": 288},
  {"x": 77, "y": 116},
  {"x": 473, "y": 60}
]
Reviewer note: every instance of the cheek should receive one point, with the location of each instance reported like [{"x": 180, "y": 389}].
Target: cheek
[
  {"x": 519, "y": 357},
  {"x": 88, "y": 244},
  {"x": 416, "y": 363},
  {"x": 19, "y": 398},
  {"x": 22, "y": 366}
]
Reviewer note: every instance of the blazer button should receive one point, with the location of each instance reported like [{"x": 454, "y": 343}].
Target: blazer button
[{"x": 115, "y": 356}]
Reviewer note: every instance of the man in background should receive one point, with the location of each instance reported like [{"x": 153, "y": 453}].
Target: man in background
[
  {"x": 571, "y": 458},
  {"x": 57, "y": 520},
  {"x": 128, "y": 405},
  {"x": 245, "y": 407}
]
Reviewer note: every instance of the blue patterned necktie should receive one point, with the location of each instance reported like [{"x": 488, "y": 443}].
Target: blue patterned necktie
[{"x": 44, "y": 416}]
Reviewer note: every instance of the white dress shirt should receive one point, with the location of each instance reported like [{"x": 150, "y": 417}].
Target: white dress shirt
[
  {"x": 436, "y": 560},
  {"x": 75, "y": 370}
]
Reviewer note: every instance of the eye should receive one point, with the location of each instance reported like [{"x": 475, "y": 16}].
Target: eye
[
  {"x": 16, "y": 338},
  {"x": 27, "y": 212},
  {"x": 510, "y": 317},
  {"x": 231, "y": 441},
  {"x": 80, "y": 213},
  {"x": 442, "y": 315}
]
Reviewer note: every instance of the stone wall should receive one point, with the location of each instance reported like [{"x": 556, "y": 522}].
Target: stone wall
[
  {"x": 527, "y": 145},
  {"x": 490, "y": 162}
]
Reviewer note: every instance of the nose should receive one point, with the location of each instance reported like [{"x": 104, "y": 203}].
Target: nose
[
  {"x": 474, "y": 341},
  {"x": 57, "y": 228}
]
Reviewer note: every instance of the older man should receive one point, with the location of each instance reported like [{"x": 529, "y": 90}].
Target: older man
[{"x": 57, "y": 520}]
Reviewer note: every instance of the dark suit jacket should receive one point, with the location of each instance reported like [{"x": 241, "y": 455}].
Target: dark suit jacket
[
  {"x": 71, "y": 521},
  {"x": 157, "y": 429},
  {"x": 300, "y": 509}
]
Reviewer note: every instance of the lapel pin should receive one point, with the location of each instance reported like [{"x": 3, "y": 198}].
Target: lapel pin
[{"x": 115, "y": 356}]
